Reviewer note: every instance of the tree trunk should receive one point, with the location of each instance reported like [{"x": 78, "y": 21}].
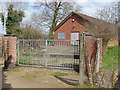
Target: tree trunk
[{"x": 54, "y": 23}]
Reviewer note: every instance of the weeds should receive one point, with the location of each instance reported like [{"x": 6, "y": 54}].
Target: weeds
[
  {"x": 110, "y": 60},
  {"x": 59, "y": 74},
  {"x": 29, "y": 76},
  {"x": 84, "y": 86}
]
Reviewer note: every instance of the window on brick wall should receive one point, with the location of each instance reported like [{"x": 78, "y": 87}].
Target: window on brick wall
[{"x": 61, "y": 35}]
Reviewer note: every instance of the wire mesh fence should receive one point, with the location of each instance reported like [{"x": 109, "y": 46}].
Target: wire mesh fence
[
  {"x": 51, "y": 53},
  {"x": 99, "y": 59},
  {"x": 104, "y": 49}
]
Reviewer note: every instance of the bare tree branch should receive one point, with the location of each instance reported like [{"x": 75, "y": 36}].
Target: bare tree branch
[{"x": 53, "y": 12}]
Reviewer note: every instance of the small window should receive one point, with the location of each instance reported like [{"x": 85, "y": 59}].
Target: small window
[{"x": 61, "y": 35}]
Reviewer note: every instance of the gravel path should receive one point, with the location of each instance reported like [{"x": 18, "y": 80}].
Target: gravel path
[{"x": 28, "y": 77}]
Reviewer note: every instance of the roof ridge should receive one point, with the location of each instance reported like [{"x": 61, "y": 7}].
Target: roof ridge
[{"x": 88, "y": 16}]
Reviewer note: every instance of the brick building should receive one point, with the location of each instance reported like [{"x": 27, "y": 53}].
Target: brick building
[{"x": 71, "y": 27}]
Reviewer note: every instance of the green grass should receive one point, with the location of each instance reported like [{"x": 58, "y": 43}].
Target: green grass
[
  {"x": 84, "y": 86},
  {"x": 71, "y": 45},
  {"x": 110, "y": 60},
  {"x": 59, "y": 74},
  {"x": 25, "y": 59},
  {"x": 55, "y": 61},
  {"x": 29, "y": 76}
]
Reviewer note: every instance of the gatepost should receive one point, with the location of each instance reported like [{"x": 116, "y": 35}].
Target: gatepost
[{"x": 9, "y": 50}]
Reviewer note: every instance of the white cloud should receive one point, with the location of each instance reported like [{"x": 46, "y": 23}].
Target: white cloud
[
  {"x": 28, "y": 12},
  {"x": 105, "y": 0},
  {"x": 81, "y": 1},
  {"x": 1, "y": 27},
  {"x": 89, "y": 7}
]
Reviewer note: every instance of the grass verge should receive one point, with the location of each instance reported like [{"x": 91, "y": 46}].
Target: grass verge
[
  {"x": 110, "y": 60},
  {"x": 84, "y": 86},
  {"x": 25, "y": 59},
  {"x": 59, "y": 74}
]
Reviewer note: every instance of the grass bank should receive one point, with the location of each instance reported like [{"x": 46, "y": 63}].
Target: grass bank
[{"x": 110, "y": 60}]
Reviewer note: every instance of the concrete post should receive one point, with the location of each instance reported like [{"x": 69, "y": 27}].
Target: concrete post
[{"x": 81, "y": 66}]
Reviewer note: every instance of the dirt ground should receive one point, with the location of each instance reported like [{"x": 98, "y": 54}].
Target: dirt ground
[{"x": 29, "y": 77}]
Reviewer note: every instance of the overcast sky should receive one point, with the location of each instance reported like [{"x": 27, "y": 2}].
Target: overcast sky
[{"x": 89, "y": 7}]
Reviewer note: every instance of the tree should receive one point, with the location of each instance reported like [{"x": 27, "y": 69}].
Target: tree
[
  {"x": 105, "y": 28},
  {"x": 13, "y": 20},
  {"x": 108, "y": 13},
  {"x": 53, "y": 13},
  {"x": 31, "y": 33}
]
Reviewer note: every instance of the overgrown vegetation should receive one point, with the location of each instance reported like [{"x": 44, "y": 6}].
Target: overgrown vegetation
[
  {"x": 110, "y": 60},
  {"x": 53, "y": 12},
  {"x": 13, "y": 25},
  {"x": 84, "y": 86},
  {"x": 31, "y": 33},
  {"x": 25, "y": 59},
  {"x": 59, "y": 74},
  {"x": 106, "y": 27}
]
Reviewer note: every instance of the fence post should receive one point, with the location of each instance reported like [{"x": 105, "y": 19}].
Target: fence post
[
  {"x": 18, "y": 51},
  {"x": 98, "y": 55},
  {"x": 81, "y": 59},
  {"x": 46, "y": 55}
]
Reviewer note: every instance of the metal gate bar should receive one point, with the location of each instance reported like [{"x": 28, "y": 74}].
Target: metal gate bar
[{"x": 48, "y": 53}]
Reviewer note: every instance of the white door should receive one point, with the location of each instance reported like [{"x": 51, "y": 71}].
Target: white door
[{"x": 74, "y": 36}]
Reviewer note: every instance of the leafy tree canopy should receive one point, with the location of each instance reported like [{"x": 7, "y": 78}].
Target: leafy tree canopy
[{"x": 14, "y": 17}]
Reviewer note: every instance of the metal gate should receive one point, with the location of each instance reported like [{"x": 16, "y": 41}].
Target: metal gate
[{"x": 48, "y": 53}]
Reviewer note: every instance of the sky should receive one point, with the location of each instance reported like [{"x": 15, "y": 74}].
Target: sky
[{"x": 88, "y": 7}]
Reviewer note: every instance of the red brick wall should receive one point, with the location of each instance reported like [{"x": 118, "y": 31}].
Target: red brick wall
[
  {"x": 113, "y": 43},
  {"x": 12, "y": 47},
  {"x": 91, "y": 46},
  {"x": 1, "y": 42},
  {"x": 65, "y": 43},
  {"x": 67, "y": 27}
]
